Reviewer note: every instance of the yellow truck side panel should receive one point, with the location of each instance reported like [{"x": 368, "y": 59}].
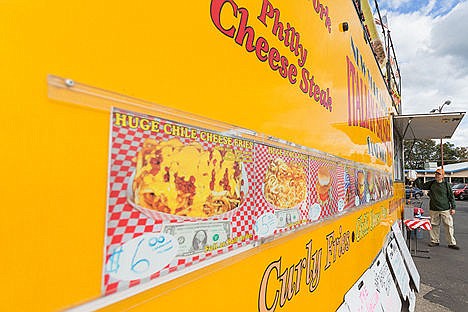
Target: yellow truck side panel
[{"x": 56, "y": 153}]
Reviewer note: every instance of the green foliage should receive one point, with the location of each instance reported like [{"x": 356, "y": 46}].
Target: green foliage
[{"x": 419, "y": 152}]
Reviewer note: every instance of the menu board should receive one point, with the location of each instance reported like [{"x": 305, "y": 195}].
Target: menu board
[
  {"x": 323, "y": 188},
  {"x": 281, "y": 189},
  {"x": 398, "y": 267},
  {"x": 178, "y": 195},
  {"x": 181, "y": 194},
  {"x": 363, "y": 296},
  {"x": 385, "y": 284},
  {"x": 413, "y": 271},
  {"x": 348, "y": 180},
  {"x": 371, "y": 186}
]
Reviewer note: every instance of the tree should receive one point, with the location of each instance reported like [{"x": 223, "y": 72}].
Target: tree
[
  {"x": 449, "y": 152},
  {"x": 419, "y": 152},
  {"x": 461, "y": 153}
]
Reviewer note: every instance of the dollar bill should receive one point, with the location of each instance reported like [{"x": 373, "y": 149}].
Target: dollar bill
[
  {"x": 194, "y": 238},
  {"x": 286, "y": 217}
]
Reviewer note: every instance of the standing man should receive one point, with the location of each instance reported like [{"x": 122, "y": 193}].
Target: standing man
[{"x": 441, "y": 208}]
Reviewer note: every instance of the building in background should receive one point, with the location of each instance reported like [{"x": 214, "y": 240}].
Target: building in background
[{"x": 454, "y": 173}]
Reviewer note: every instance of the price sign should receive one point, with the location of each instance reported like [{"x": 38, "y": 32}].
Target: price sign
[
  {"x": 265, "y": 224},
  {"x": 314, "y": 212},
  {"x": 142, "y": 256},
  {"x": 341, "y": 204}
]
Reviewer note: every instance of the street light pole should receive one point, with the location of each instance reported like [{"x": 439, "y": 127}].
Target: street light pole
[{"x": 441, "y": 145}]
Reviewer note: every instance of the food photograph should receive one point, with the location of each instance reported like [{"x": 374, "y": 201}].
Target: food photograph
[
  {"x": 183, "y": 191},
  {"x": 281, "y": 189}
]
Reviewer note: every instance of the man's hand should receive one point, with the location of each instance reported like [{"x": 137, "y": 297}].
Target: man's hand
[{"x": 452, "y": 211}]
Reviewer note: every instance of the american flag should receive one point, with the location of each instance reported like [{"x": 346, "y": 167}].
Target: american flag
[{"x": 383, "y": 23}]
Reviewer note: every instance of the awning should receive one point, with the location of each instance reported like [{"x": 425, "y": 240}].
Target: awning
[{"x": 427, "y": 126}]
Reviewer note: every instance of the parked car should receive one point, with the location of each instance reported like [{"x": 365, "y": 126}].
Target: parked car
[
  {"x": 460, "y": 191},
  {"x": 413, "y": 192}
]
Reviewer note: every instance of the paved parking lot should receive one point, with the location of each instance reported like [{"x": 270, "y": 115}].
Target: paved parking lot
[{"x": 444, "y": 277}]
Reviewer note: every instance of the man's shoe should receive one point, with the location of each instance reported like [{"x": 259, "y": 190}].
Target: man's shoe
[
  {"x": 454, "y": 247},
  {"x": 431, "y": 244}
]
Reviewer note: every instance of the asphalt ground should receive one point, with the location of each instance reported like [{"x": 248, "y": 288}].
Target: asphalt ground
[{"x": 444, "y": 276}]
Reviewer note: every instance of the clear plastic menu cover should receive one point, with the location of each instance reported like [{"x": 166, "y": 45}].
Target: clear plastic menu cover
[
  {"x": 371, "y": 186},
  {"x": 280, "y": 189},
  {"x": 184, "y": 193},
  {"x": 178, "y": 195},
  {"x": 326, "y": 188}
]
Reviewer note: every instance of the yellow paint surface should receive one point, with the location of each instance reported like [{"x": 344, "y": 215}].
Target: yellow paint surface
[{"x": 55, "y": 154}]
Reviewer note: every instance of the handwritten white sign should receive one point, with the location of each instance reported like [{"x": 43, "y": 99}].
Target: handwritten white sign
[
  {"x": 314, "y": 211},
  {"x": 363, "y": 296},
  {"x": 385, "y": 284},
  {"x": 406, "y": 255},
  {"x": 398, "y": 267},
  {"x": 265, "y": 224}
]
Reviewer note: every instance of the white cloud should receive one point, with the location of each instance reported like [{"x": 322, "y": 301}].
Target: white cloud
[
  {"x": 448, "y": 35},
  {"x": 432, "y": 53}
]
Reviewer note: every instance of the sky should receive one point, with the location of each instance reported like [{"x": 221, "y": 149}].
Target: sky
[{"x": 431, "y": 44}]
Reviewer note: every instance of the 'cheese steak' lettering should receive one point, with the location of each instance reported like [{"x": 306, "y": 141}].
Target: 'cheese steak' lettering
[{"x": 245, "y": 35}]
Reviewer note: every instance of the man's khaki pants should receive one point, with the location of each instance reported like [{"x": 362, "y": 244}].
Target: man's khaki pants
[{"x": 446, "y": 218}]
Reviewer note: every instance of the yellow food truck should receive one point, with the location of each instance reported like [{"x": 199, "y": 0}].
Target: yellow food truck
[{"x": 218, "y": 155}]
